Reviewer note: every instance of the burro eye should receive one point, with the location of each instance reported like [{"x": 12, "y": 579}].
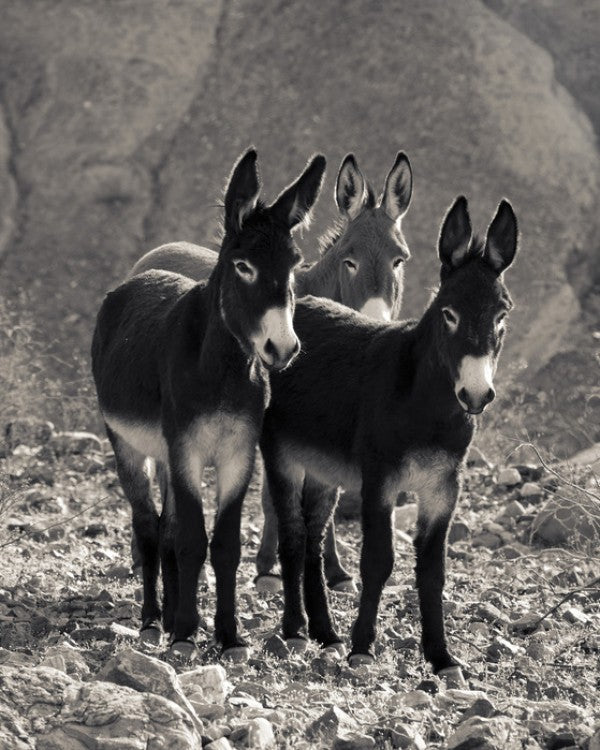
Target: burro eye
[
  {"x": 451, "y": 318},
  {"x": 500, "y": 321},
  {"x": 245, "y": 271},
  {"x": 397, "y": 262},
  {"x": 351, "y": 265}
]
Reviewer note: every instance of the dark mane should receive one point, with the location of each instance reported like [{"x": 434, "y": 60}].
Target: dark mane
[{"x": 332, "y": 235}]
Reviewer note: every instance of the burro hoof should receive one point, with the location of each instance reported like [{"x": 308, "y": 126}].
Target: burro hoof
[
  {"x": 454, "y": 677},
  {"x": 184, "y": 649},
  {"x": 237, "y": 654},
  {"x": 335, "y": 649},
  {"x": 296, "y": 645},
  {"x": 360, "y": 660},
  {"x": 345, "y": 587},
  {"x": 268, "y": 584},
  {"x": 151, "y": 635}
]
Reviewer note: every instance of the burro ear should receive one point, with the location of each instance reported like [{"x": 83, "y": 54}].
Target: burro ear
[
  {"x": 295, "y": 203},
  {"x": 502, "y": 238},
  {"x": 397, "y": 190},
  {"x": 242, "y": 191},
  {"x": 351, "y": 192},
  {"x": 455, "y": 234}
]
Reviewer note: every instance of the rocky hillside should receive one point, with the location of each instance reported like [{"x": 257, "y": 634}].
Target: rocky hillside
[
  {"x": 522, "y": 609},
  {"x": 120, "y": 121}
]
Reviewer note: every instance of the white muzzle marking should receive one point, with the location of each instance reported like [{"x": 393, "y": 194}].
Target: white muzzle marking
[
  {"x": 476, "y": 376},
  {"x": 377, "y": 308},
  {"x": 277, "y": 328}
]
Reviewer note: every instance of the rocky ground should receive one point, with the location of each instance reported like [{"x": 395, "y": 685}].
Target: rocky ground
[{"x": 522, "y": 605}]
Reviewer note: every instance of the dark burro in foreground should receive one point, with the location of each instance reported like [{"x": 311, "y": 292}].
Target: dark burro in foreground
[
  {"x": 181, "y": 373},
  {"x": 380, "y": 408}
]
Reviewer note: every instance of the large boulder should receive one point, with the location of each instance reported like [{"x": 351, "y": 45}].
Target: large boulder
[{"x": 43, "y": 707}]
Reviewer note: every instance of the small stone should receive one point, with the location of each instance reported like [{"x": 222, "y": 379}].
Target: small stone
[
  {"x": 402, "y": 736},
  {"x": 429, "y": 686},
  {"x": 118, "y": 571},
  {"x": 479, "y": 629},
  {"x": 221, "y": 744},
  {"x": 481, "y": 707},
  {"x": 260, "y": 734},
  {"x": 558, "y": 740},
  {"x": 488, "y": 613},
  {"x": 576, "y": 616},
  {"x": 531, "y": 491},
  {"x": 512, "y": 551},
  {"x": 514, "y": 509},
  {"x": 481, "y": 733},
  {"x": 417, "y": 699},
  {"x": 458, "y": 532},
  {"x": 486, "y": 539},
  {"x": 330, "y": 724},
  {"x": 353, "y": 741},
  {"x": 509, "y": 477},
  {"x": 526, "y": 624},
  {"x": 124, "y": 631},
  {"x": 95, "y": 529},
  {"x": 539, "y": 651},
  {"x": 501, "y": 647},
  {"x": 276, "y": 646},
  {"x": 459, "y": 698},
  {"x": 211, "y": 679}
]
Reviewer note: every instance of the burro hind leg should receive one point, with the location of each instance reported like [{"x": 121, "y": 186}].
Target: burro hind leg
[
  {"x": 167, "y": 545},
  {"x": 338, "y": 578},
  {"x": 286, "y": 480},
  {"x": 267, "y": 579},
  {"x": 318, "y": 504},
  {"x": 135, "y": 480},
  {"x": 186, "y": 466},
  {"x": 376, "y": 564}
]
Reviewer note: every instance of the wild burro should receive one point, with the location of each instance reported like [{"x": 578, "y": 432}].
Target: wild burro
[
  {"x": 181, "y": 374},
  {"x": 361, "y": 265},
  {"x": 382, "y": 408}
]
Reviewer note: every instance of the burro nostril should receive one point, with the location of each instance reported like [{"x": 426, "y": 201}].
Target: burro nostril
[
  {"x": 270, "y": 349},
  {"x": 489, "y": 396}
]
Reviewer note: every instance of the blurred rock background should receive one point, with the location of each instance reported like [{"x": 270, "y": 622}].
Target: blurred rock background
[{"x": 119, "y": 122}]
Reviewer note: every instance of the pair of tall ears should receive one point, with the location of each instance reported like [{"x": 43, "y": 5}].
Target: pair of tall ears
[
  {"x": 292, "y": 207},
  {"x": 500, "y": 245},
  {"x": 352, "y": 192}
]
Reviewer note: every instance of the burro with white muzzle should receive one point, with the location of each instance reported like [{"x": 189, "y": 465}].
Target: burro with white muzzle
[
  {"x": 381, "y": 408},
  {"x": 181, "y": 371}
]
